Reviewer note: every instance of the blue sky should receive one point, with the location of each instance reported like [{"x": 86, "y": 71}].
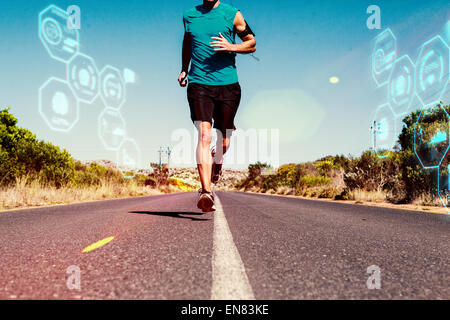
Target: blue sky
[{"x": 301, "y": 44}]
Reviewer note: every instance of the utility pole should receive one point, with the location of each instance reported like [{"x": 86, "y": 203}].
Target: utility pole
[
  {"x": 375, "y": 130},
  {"x": 167, "y": 151},
  {"x": 160, "y": 156}
]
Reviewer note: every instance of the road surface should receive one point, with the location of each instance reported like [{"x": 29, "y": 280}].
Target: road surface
[{"x": 253, "y": 247}]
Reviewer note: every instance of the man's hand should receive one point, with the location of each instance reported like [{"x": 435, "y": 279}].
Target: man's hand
[
  {"x": 222, "y": 44},
  {"x": 182, "y": 79}
]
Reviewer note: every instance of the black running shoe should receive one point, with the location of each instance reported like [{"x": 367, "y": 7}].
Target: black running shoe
[{"x": 206, "y": 201}]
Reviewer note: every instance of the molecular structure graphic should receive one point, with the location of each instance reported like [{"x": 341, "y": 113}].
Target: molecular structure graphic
[
  {"x": 420, "y": 84},
  {"x": 60, "y": 99}
]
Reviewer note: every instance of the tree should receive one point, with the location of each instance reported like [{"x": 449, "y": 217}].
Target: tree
[
  {"x": 406, "y": 137},
  {"x": 160, "y": 173},
  {"x": 415, "y": 179},
  {"x": 22, "y": 155}
]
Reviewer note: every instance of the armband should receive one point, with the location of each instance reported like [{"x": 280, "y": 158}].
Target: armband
[{"x": 246, "y": 32}]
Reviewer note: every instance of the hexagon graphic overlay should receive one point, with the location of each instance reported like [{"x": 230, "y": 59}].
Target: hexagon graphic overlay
[
  {"x": 432, "y": 71},
  {"x": 60, "y": 42},
  {"x": 383, "y": 57},
  {"x": 129, "y": 158},
  {"x": 443, "y": 185},
  {"x": 111, "y": 129},
  {"x": 431, "y": 137},
  {"x": 83, "y": 77},
  {"x": 112, "y": 87},
  {"x": 401, "y": 85},
  {"x": 58, "y": 105}
]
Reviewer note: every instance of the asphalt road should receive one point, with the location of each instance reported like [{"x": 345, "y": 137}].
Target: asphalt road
[{"x": 255, "y": 246}]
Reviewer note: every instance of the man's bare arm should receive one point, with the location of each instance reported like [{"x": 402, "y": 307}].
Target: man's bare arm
[
  {"x": 186, "y": 55},
  {"x": 248, "y": 44},
  {"x": 186, "y": 59}
]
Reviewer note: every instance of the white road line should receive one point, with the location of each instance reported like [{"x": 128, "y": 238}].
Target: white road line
[{"x": 230, "y": 281}]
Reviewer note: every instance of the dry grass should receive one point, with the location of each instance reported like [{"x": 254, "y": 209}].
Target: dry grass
[
  {"x": 367, "y": 196},
  {"x": 427, "y": 200},
  {"x": 424, "y": 200},
  {"x": 24, "y": 194},
  {"x": 285, "y": 191},
  {"x": 27, "y": 193}
]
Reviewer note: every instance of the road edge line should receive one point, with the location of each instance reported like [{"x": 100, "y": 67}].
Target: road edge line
[
  {"x": 230, "y": 281},
  {"x": 346, "y": 202}
]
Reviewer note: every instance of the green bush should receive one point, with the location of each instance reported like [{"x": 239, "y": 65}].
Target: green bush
[
  {"x": 271, "y": 182},
  {"x": 95, "y": 174},
  {"x": 328, "y": 193},
  {"x": 313, "y": 181},
  {"x": 147, "y": 181},
  {"x": 22, "y": 155},
  {"x": 287, "y": 175}
]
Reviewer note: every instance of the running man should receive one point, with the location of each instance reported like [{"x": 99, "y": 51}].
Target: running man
[{"x": 214, "y": 93}]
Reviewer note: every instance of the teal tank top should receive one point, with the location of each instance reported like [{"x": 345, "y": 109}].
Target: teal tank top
[{"x": 208, "y": 66}]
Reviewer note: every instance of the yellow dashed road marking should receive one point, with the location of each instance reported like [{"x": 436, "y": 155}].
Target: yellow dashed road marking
[{"x": 98, "y": 244}]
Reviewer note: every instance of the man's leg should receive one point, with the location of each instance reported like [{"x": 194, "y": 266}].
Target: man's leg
[
  {"x": 204, "y": 159},
  {"x": 222, "y": 146},
  {"x": 224, "y": 114}
]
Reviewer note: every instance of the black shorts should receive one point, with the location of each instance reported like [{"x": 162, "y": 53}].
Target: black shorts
[{"x": 218, "y": 103}]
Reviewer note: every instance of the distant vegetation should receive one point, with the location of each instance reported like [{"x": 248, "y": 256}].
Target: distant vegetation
[
  {"x": 398, "y": 178},
  {"x": 34, "y": 172}
]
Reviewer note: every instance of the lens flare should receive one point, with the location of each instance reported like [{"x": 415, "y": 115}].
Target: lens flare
[{"x": 334, "y": 80}]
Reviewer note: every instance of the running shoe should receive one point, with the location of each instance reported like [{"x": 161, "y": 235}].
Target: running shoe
[{"x": 206, "y": 201}]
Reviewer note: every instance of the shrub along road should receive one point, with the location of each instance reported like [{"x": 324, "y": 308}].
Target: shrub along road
[{"x": 254, "y": 246}]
